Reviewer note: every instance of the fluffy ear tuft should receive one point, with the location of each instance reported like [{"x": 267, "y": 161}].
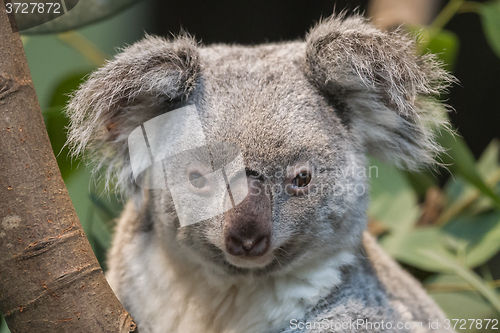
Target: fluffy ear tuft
[
  {"x": 381, "y": 87},
  {"x": 145, "y": 80}
]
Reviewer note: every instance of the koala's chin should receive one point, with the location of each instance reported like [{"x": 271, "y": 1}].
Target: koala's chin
[{"x": 250, "y": 262}]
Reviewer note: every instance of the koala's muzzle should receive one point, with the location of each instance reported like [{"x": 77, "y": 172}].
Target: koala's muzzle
[{"x": 247, "y": 227}]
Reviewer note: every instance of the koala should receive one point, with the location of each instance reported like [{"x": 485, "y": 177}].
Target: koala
[{"x": 293, "y": 254}]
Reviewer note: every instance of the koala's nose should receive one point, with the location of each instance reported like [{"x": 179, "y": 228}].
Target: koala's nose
[
  {"x": 247, "y": 246},
  {"x": 247, "y": 227}
]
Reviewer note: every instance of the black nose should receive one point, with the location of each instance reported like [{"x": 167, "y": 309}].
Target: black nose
[{"x": 247, "y": 246}]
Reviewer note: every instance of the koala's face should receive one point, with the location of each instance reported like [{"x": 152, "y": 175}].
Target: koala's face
[
  {"x": 300, "y": 163},
  {"x": 301, "y": 115}
]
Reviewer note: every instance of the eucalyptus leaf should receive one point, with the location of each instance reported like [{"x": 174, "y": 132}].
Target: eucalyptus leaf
[
  {"x": 489, "y": 162},
  {"x": 468, "y": 275},
  {"x": 445, "y": 45},
  {"x": 56, "y": 122},
  {"x": 84, "y": 13},
  {"x": 3, "y": 325},
  {"x": 392, "y": 196},
  {"x": 394, "y": 204},
  {"x": 463, "y": 196},
  {"x": 430, "y": 238},
  {"x": 482, "y": 234},
  {"x": 461, "y": 161},
  {"x": 458, "y": 190},
  {"x": 490, "y": 18},
  {"x": 80, "y": 186},
  {"x": 471, "y": 239},
  {"x": 461, "y": 304},
  {"x": 421, "y": 181},
  {"x": 62, "y": 91},
  {"x": 488, "y": 167}
]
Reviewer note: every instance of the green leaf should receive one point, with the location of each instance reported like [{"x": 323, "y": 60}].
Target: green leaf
[
  {"x": 468, "y": 275},
  {"x": 463, "y": 196},
  {"x": 490, "y": 18},
  {"x": 461, "y": 161},
  {"x": 458, "y": 190},
  {"x": 489, "y": 162},
  {"x": 472, "y": 240},
  {"x": 482, "y": 234},
  {"x": 421, "y": 181},
  {"x": 3, "y": 325},
  {"x": 56, "y": 121},
  {"x": 393, "y": 203},
  {"x": 445, "y": 45},
  {"x": 96, "y": 224},
  {"x": 460, "y": 304},
  {"x": 84, "y": 13},
  {"x": 418, "y": 239},
  {"x": 60, "y": 95},
  {"x": 488, "y": 167},
  {"x": 104, "y": 207},
  {"x": 391, "y": 195}
]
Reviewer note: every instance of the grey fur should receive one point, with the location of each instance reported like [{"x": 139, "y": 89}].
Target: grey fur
[
  {"x": 381, "y": 80},
  {"x": 348, "y": 89},
  {"x": 127, "y": 91}
]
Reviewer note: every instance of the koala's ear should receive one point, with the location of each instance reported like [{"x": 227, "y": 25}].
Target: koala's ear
[
  {"x": 380, "y": 87},
  {"x": 145, "y": 80}
]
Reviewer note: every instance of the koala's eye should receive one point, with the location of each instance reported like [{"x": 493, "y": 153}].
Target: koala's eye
[
  {"x": 302, "y": 180},
  {"x": 197, "y": 180}
]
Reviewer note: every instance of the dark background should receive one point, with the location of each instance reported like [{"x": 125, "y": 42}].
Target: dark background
[{"x": 475, "y": 100}]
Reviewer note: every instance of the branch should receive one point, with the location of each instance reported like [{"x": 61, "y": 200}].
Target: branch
[
  {"x": 388, "y": 14},
  {"x": 50, "y": 280}
]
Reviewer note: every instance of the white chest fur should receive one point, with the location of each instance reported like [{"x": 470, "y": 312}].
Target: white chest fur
[{"x": 166, "y": 297}]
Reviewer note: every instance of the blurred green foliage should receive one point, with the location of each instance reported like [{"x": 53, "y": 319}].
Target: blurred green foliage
[
  {"x": 490, "y": 17},
  {"x": 462, "y": 236},
  {"x": 446, "y": 234}
]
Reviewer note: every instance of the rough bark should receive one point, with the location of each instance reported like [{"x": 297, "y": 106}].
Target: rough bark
[{"x": 50, "y": 280}]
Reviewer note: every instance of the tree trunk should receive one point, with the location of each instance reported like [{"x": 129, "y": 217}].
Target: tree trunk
[{"x": 50, "y": 280}]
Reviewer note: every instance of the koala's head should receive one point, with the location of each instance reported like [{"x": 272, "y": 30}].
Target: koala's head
[{"x": 301, "y": 115}]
